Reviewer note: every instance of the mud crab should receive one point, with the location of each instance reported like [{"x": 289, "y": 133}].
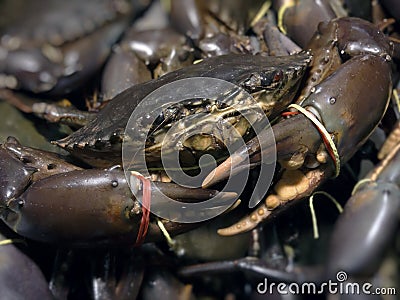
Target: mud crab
[
  {"x": 273, "y": 81},
  {"x": 348, "y": 51}
]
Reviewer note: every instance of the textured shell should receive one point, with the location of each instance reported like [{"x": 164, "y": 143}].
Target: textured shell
[{"x": 99, "y": 143}]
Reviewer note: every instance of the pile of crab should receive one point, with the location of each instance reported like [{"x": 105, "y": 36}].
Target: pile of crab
[{"x": 174, "y": 104}]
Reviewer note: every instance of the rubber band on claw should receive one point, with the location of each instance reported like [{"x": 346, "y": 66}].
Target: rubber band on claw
[
  {"x": 326, "y": 137},
  {"x": 146, "y": 201}
]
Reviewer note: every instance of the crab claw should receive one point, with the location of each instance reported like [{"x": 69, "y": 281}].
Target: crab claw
[
  {"x": 335, "y": 120},
  {"x": 96, "y": 207},
  {"x": 294, "y": 137},
  {"x": 297, "y": 136}
]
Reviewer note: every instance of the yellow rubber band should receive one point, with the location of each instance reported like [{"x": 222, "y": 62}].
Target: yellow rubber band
[
  {"x": 262, "y": 11},
  {"x": 313, "y": 217},
  {"x": 396, "y": 99},
  {"x": 323, "y": 131},
  {"x": 10, "y": 241},
  {"x": 312, "y": 210},
  {"x": 136, "y": 173},
  {"x": 361, "y": 183},
  {"x": 281, "y": 12},
  {"x": 170, "y": 241},
  {"x": 6, "y": 242}
]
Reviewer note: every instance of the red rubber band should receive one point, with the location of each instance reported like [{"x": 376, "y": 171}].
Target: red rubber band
[
  {"x": 146, "y": 201},
  {"x": 289, "y": 113},
  {"x": 327, "y": 145},
  {"x": 325, "y": 141}
]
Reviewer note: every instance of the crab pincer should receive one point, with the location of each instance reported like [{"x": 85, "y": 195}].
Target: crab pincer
[
  {"x": 95, "y": 207},
  {"x": 44, "y": 163},
  {"x": 14, "y": 176},
  {"x": 328, "y": 126}
]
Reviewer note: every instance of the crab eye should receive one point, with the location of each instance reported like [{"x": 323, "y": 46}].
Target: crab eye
[
  {"x": 269, "y": 80},
  {"x": 265, "y": 80}
]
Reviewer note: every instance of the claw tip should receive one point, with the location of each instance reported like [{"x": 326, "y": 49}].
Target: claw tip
[
  {"x": 218, "y": 174},
  {"x": 227, "y": 195},
  {"x": 208, "y": 180}
]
